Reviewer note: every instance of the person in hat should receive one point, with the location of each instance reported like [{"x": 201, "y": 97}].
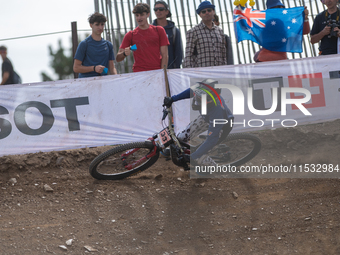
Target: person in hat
[
  {"x": 205, "y": 44},
  {"x": 267, "y": 55},
  {"x": 321, "y": 30},
  {"x": 94, "y": 54},
  {"x": 274, "y": 4},
  {"x": 151, "y": 41},
  {"x": 175, "y": 49}
]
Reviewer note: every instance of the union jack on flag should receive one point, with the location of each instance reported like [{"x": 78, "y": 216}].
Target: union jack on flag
[
  {"x": 250, "y": 16},
  {"x": 275, "y": 29}
]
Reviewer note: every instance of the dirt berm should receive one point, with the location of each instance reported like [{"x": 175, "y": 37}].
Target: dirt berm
[{"x": 48, "y": 199}]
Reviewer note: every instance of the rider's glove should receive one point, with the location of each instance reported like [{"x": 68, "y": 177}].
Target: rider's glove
[{"x": 168, "y": 102}]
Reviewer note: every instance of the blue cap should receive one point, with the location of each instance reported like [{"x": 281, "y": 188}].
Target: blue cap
[
  {"x": 204, "y": 5},
  {"x": 273, "y": 3}
]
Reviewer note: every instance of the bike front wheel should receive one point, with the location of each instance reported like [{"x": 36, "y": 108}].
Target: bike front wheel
[
  {"x": 124, "y": 160},
  {"x": 236, "y": 149}
]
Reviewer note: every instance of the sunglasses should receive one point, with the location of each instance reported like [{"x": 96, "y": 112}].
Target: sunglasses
[
  {"x": 206, "y": 10},
  {"x": 159, "y": 9}
]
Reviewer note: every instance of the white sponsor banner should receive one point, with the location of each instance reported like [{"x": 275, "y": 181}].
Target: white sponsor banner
[
  {"x": 253, "y": 84},
  {"x": 124, "y": 108},
  {"x": 80, "y": 113}
]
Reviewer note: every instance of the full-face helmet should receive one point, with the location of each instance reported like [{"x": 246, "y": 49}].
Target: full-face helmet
[{"x": 207, "y": 87}]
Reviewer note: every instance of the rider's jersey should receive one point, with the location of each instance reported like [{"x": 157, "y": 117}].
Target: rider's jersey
[
  {"x": 218, "y": 111},
  {"x": 213, "y": 111}
]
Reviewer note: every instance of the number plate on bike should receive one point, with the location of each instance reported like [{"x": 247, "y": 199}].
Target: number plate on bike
[{"x": 164, "y": 137}]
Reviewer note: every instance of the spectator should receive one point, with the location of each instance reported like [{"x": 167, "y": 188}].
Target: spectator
[
  {"x": 230, "y": 57},
  {"x": 175, "y": 49},
  {"x": 151, "y": 41},
  {"x": 205, "y": 42},
  {"x": 268, "y": 55},
  {"x": 321, "y": 30},
  {"x": 9, "y": 76},
  {"x": 94, "y": 53}
]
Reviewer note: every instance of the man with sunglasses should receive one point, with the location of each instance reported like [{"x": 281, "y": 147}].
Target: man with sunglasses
[
  {"x": 175, "y": 49},
  {"x": 205, "y": 42}
]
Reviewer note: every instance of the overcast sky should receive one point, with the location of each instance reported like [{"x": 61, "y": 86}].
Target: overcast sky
[{"x": 30, "y": 56}]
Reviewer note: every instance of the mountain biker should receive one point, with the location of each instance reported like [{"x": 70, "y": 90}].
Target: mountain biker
[{"x": 218, "y": 110}]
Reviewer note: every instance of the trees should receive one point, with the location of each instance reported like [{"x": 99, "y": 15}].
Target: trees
[{"x": 61, "y": 64}]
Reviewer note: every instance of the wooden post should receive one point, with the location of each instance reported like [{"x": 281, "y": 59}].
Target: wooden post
[
  {"x": 74, "y": 42},
  {"x": 168, "y": 94},
  {"x": 167, "y": 87}
]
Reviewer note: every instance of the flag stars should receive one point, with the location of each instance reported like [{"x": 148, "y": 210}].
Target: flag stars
[
  {"x": 282, "y": 27},
  {"x": 250, "y": 31}
]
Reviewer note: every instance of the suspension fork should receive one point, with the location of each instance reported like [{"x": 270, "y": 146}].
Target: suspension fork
[
  {"x": 181, "y": 159},
  {"x": 172, "y": 132}
]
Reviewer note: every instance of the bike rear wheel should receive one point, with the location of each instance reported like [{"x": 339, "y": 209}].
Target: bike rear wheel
[
  {"x": 123, "y": 161},
  {"x": 236, "y": 149}
]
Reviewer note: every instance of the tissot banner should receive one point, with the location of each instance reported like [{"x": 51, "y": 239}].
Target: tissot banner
[
  {"x": 80, "y": 113},
  {"x": 125, "y": 108}
]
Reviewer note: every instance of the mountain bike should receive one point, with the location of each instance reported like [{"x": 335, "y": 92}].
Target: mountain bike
[{"x": 130, "y": 159}]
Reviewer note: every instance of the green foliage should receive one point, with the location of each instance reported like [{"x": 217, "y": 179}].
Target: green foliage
[
  {"x": 60, "y": 63},
  {"x": 45, "y": 77}
]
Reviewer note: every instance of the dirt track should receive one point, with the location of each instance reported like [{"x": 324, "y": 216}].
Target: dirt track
[{"x": 171, "y": 213}]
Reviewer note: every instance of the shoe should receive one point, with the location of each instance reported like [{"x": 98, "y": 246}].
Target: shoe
[
  {"x": 166, "y": 152},
  {"x": 204, "y": 160}
]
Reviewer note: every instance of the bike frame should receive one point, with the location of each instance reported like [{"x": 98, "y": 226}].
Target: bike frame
[{"x": 166, "y": 138}]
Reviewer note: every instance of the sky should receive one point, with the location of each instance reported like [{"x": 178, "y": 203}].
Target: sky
[{"x": 30, "y": 56}]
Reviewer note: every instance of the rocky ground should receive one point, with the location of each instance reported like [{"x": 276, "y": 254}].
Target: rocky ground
[{"x": 51, "y": 205}]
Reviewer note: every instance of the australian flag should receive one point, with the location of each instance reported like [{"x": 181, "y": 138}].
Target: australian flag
[{"x": 274, "y": 29}]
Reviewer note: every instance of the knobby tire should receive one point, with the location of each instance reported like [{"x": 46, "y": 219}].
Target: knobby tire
[
  {"x": 246, "y": 154},
  {"x": 111, "y": 160}
]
